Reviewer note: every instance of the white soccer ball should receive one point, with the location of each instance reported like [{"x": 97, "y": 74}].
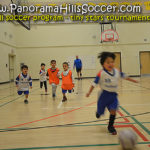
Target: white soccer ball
[{"x": 127, "y": 139}]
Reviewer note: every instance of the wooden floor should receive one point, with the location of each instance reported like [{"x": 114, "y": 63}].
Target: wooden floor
[{"x": 48, "y": 114}]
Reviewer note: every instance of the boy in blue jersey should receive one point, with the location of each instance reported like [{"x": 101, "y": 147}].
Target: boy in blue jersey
[
  {"x": 78, "y": 65},
  {"x": 23, "y": 81},
  {"x": 108, "y": 79}
]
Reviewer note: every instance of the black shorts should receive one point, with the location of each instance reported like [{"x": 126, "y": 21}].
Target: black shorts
[
  {"x": 45, "y": 84},
  {"x": 78, "y": 69}
]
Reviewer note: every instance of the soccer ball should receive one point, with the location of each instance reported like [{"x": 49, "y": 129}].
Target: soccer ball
[{"x": 127, "y": 139}]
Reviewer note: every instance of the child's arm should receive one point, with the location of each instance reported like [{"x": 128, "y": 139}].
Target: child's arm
[
  {"x": 17, "y": 81},
  {"x": 30, "y": 82},
  {"x": 90, "y": 91},
  {"x": 124, "y": 76},
  {"x": 42, "y": 73},
  {"x": 81, "y": 64},
  {"x": 58, "y": 74},
  {"x": 73, "y": 79},
  {"x": 47, "y": 75},
  {"x": 132, "y": 80},
  {"x": 96, "y": 81}
]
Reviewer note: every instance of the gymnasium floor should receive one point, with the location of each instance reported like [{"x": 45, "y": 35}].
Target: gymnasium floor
[{"x": 42, "y": 111}]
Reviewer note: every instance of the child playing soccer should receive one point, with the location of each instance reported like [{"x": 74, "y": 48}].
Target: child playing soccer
[
  {"x": 53, "y": 74},
  {"x": 43, "y": 78},
  {"x": 67, "y": 81},
  {"x": 23, "y": 81},
  {"x": 108, "y": 79}
]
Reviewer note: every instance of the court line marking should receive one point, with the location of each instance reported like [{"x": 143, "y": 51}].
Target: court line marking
[
  {"x": 73, "y": 146},
  {"x": 103, "y": 124},
  {"x": 7, "y": 88},
  {"x": 125, "y": 119},
  {"x": 135, "y": 129},
  {"x": 148, "y": 88},
  {"x": 121, "y": 105},
  {"x": 7, "y": 96},
  {"x": 133, "y": 118},
  {"x": 15, "y": 99},
  {"x": 64, "y": 113}
]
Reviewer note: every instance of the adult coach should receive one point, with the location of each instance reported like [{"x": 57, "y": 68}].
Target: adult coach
[{"x": 78, "y": 65}]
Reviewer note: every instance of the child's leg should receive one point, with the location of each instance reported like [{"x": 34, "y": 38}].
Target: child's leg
[
  {"x": 45, "y": 85},
  {"x": 41, "y": 85},
  {"x": 80, "y": 75},
  {"x": 54, "y": 87},
  {"x": 26, "y": 97},
  {"x": 101, "y": 105},
  {"x": 64, "y": 95},
  {"x": 112, "y": 118},
  {"x": 112, "y": 109},
  {"x": 26, "y": 93}
]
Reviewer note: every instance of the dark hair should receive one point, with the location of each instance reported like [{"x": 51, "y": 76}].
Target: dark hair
[
  {"x": 53, "y": 61},
  {"x": 24, "y": 67},
  {"x": 65, "y": 63},
  {"x": 42, "y": 64},
  {"x": 104, "y": 55}
]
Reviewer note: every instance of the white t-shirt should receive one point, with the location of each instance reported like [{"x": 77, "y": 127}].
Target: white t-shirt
[
  {"x": 42, "y": 75},
  {"x": 108, "y": 80}
]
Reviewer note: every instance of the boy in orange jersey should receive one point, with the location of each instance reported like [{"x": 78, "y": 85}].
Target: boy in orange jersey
[
  {"x": 67, "y": 81},
  {"x": 53, "y": 74}
]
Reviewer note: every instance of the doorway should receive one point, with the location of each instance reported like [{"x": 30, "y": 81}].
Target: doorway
[
  {"x": 118, "y": 61},
  {"x": 145, "y": 63},
  {"x": 11, "y": 67}
]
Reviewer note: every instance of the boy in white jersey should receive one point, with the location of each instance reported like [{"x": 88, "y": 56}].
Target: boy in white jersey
[
  {"x": 108, "y": 79},
  {"x": 43, "y": 77},
  {"x": 23, "y": 81}
]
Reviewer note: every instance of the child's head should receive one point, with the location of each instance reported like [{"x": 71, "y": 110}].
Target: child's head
[
  {"x": 42, "y": 66},
  {"x": 53, "y": 63},
  {"x": 65, "y": 66},
  {"x": 24, "y": 69},
  {"x": 107, "y": 60}
]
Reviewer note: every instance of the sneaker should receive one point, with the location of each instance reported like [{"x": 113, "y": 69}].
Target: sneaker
[
  {"x": 64, "y": 99},
  {"x": 26, "y": 101},
  {"x": 112, "y": 130},
  {"x": 97, "y": 115}
]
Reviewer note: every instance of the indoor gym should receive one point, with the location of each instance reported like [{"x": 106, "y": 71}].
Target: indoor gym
[{"x": 45, "y": 123}]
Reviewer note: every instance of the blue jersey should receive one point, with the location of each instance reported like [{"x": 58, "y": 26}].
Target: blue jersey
[{"x": 78, "y": 63}]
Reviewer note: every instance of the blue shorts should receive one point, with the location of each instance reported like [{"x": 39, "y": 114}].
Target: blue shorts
[
  {"x": 25, "y": 92},
  {"x": 65, "y": 91},
  {"x": 107, "y": 99}
]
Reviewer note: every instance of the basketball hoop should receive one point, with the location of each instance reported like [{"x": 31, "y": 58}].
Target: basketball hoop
[{"x": 109, "y": 36}]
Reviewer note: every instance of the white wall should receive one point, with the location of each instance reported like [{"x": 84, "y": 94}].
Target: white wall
[
  {"x": 7, "y": 46},
  {"x": 59, "y": 41}
]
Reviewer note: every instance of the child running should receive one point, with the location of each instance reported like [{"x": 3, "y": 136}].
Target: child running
[
  {"x": 67, "y": 81},
  {"x": 108, "y": 79},
  {"x": 23, "y": 81},
  {"x": 43, "y": 78},
  {"x": 53, "y": 74}
]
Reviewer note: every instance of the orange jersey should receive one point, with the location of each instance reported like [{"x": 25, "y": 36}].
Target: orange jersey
[
  {"x": 53, "y": 76},
  {"x": 67, "y": 82}
]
